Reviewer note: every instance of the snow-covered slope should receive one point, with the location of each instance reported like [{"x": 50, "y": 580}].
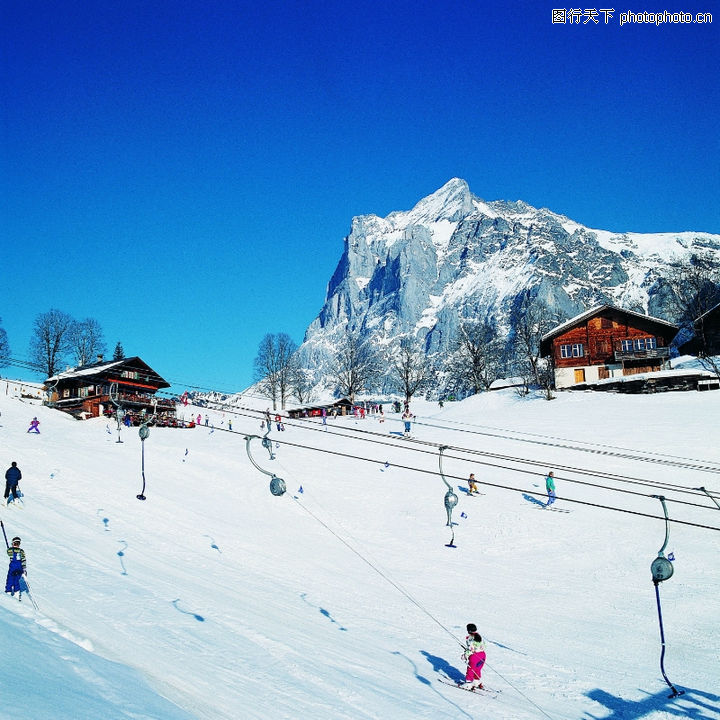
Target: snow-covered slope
[{"x": 215, "y": 600}]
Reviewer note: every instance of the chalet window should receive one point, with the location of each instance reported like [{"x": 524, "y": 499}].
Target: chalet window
[
  {"x": 130, "y": 374},
  {"x": 575, "y": 350},
  {"x": 66, "y": 392},
  {"x": 645, "y": 343},
  {"x": 626, "y": 345}
]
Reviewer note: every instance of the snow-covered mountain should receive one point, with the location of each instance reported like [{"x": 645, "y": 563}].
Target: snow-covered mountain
[{"x": 454, "y": 256}]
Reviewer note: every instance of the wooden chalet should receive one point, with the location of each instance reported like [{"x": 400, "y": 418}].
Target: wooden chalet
[
  {"x": 89, "y": 391},
  {"x": 706, "y": 339},
  {"x": 607, "y": 342},
  {"x": 341, "y": 407}
]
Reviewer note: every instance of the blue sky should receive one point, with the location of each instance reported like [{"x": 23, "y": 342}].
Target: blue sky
[{"x": 185, "y": 172}]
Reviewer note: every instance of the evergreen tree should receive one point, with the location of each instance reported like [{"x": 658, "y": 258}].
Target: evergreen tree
[{"x": 119, "y": 353}]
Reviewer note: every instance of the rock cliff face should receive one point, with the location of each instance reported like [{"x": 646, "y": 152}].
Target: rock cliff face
[{"x": 421, "y": 272}]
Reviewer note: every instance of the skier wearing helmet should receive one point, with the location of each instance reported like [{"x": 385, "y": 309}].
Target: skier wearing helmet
[{"x": 17, "y": 567}]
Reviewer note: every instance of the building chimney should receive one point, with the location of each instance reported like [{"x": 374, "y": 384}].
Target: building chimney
[{"x": 100, "y": 357}]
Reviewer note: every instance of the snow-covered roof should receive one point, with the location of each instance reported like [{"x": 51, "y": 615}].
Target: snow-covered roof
[
  {"x": 85, "y": 370},
  {"x": 102, "y": 368}
]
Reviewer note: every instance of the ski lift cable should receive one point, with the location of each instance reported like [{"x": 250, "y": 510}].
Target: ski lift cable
[
  {"x": 676, "y": 463},
  {"x": 375, "y": 461},
  {"x": 372, "y": 437},
  {"x": 409, "y": 597},
  {"x": 581, "y": 446},
  {"x": 347, "y": 432},
  {"x": 502, "y": 467},
  {"x": 511, "y": 458},
  {"x": 556, "y": 437}
]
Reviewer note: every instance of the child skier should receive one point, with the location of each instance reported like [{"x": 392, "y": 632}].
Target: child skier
[
  {"x": 472, "y": 485},
  {"x": 474, "y": 656},
  {"x": 34, "y": 426},
  {"x": 550, "y": 487},
  {"x": 17, "y": 567},
  {"x": 407, "y": 418}
]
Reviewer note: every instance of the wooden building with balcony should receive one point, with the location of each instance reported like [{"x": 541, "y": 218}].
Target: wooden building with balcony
[
  {"x": 100, "y": 388},
  {"x": 605, "y": 342}
]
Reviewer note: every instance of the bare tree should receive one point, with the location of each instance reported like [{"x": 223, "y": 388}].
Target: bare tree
[
  {"x": 409, "y": 366},
  {"x": 274, "y": 367},
  {"x": 300, "y": 383},
  {"x": 86, "y": 340},
  {"x": 49, "y": 343},
  {"x": 4, "y": 347},
  {"x": 534, "y": 320},
  {"x": 355, "y": 365},
  {"x": 476, "y": 356}
]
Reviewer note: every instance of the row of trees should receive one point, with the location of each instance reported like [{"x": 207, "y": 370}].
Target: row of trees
[
  {"x": 476, "y": 357},
  {"x": 58, "y": 339}
]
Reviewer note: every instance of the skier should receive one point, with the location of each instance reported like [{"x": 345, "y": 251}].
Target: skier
[
  {"x": 550, "y": 487},
  {"x": 17, "y": 567},
  {"x": 12, "y": 478},
  {"x": 474, "y": 656},
  {"x": 407, "y": 417},
  {"x": 34, "y": 426},
  {"x": 472, "y": 486}
]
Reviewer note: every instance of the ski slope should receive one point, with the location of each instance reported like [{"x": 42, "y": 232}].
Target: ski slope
[{"x": 340, "y": 600}]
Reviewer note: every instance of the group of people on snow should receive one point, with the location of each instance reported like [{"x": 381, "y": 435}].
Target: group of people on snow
[{"x": 17, "y": 567}]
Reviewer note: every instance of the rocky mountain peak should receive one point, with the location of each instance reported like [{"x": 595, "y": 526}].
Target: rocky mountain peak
[{"x": 454, "y": 257}]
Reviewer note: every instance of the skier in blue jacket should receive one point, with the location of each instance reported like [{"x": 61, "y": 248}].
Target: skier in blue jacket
[{"x": 17, "y": 567}]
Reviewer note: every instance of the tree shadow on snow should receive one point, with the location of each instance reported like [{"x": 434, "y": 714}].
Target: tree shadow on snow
[
  {"x": 323, "y": 612},
  {"x": 695, "y": 704}
]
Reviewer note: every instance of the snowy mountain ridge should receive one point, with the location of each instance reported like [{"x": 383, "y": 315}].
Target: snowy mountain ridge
[{"x": 454, "y": 256}]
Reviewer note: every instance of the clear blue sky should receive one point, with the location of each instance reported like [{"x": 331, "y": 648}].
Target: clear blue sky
[{"x": 185, "y": 172}]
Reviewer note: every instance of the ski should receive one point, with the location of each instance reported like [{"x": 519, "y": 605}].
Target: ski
[
  {"x": 551, "y": 509},
  {"x": 478, "y": 691}
]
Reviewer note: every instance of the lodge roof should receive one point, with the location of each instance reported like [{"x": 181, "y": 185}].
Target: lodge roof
[{"x": 102, "y": 369}]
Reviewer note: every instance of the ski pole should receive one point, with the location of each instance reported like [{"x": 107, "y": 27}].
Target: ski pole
[
  {"x": 29, "y": 594},
  {"x": 4, "y": 534}
]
